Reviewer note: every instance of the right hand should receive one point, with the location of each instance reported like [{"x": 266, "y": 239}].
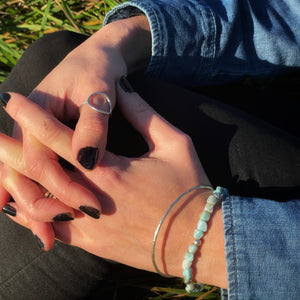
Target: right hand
[{"x": 134, "y": 192}]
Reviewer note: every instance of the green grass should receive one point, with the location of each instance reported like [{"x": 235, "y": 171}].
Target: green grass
[{"x": 21, "y": 23}]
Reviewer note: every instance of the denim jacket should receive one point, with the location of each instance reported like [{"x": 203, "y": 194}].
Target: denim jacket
[{"x": 215, "y": 41}]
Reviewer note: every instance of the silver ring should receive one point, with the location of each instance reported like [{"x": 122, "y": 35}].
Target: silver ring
[{"x": 89, "y": 103}]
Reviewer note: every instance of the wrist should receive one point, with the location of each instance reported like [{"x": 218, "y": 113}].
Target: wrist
[
  {"x": 209, "y": 264},
  {"x": 132, "y": 38}
]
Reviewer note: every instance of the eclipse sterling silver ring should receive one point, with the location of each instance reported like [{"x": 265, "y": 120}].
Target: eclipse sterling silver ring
[{"x": 91, "y": 105}]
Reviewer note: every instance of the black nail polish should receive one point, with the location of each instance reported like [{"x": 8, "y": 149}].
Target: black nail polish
[
  {"x": 91, "y": 211},
  {"x": 41, "y": 244},
  {"x": 125, "y": 85},
  {"x": 5, "y": 98},
  {"x": 9, "y": 210},
  {"x": 88, "y": 157},
  {"x": 63, "y": 217}
]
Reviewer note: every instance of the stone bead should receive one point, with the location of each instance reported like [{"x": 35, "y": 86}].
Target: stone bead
[
  {"x": 198, "y": 234},
  {"x": 186, "y": 264},
  {"x": 188, "y": 274},
  {"x": 193, "y": 249},
  {"x": 212, "y": 199},
  {"x": 219, "y": 190},
  {"x": 189, "y": 256},
  {"x": 190, "y": 287},
  {"x": 202, "y": 225},
  {"x": 205, "y": 216},
  {"x": 209, "y": 207}
]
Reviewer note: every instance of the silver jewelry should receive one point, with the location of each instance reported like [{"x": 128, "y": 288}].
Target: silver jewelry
[
  {"x": 161, "y": 222},
  {"x": 90, "y": 104}
]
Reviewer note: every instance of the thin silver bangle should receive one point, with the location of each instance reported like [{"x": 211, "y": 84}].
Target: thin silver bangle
[{"x": 161, "y": 222}]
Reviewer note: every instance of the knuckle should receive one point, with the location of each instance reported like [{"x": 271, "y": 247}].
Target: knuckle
[
  {"x": 92, "y": 123},
  {"x": 48, "y": 131},
  {"x": 183, "y": 141},
  {"x": 141, "y": 108},
  {"x": 35, "y": 170}
]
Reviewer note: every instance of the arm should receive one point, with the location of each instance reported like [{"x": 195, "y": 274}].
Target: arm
[{"x": 204, "y": 42}]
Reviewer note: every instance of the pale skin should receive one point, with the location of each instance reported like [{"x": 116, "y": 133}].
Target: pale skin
[
  {"x": 112, "y": 184},
  {"x": 96, "y": 65},
  {"x": 131, "y": 211}
]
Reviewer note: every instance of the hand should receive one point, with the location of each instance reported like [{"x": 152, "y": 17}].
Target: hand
[
  {"x": 135, "y": 192},
  {"x": 95, "y": 65}
]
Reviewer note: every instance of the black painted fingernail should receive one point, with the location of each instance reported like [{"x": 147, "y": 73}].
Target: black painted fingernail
[
  {"x": 125, "y": 85},
  {"x": 63, "y": 217},
  {"x": 9, "y": 210},
  {"x": 41, "y": 244},
  {"x": 5, "y": 98},
  {"x": 91, "y": 211},
  {"x": 88, "y": 157}
]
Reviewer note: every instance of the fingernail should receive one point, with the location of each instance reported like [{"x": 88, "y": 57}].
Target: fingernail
[
  {"x": 91, "y": 211},
  {"x": 9, "y": 210},
  {"x": 63, "y": 217},
  {"x": 88, "y": 157},
  {"x": 5, "y": 98},
  {"x": 125, "y": 85},
  {"x": 41, "y": 244}
]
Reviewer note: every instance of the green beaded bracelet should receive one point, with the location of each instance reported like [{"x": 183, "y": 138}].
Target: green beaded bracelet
[{"x": 218, "y": 193}]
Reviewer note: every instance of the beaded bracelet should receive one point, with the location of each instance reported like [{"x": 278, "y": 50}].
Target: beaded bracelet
[
  {"x": 218, "y": 193},
  {"x": 162, "y": 220}
]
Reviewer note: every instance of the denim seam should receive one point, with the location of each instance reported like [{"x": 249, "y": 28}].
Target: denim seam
[
  {"x": 233, "y": 245},
  {"x": 210, "y": 35},
  {"x": 230, "y": 246}
]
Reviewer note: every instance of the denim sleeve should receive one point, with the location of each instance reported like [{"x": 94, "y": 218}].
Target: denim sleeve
[
  {"x": 215, "y": 41},
  {"x": 262, "y": 245}
]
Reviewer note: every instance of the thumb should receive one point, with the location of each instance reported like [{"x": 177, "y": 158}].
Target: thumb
[
  {"x": 90, "y": 135},
  {"x": 153, "y": 127}
]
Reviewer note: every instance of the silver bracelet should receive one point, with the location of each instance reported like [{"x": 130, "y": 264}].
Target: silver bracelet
[{"x": 162, "y": 220}]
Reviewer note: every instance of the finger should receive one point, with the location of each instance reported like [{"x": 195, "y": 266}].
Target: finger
[
  {"x": 154, "y": 128},
  {"x": 47, "y": 171},
  {"x": 31, "y": 199},
  {"x": 43, "y": 232},
  {"x": 90, "y": 135},
  {"x": 4, "y": 195}
]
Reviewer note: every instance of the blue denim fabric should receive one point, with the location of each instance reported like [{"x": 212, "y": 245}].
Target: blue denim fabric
[
  {"x": 262, "y": 242},
  {"x": 214, "y": 41}
]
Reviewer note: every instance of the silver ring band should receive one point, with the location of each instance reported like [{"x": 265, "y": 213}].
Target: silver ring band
[{"x": 89, "y": 103}]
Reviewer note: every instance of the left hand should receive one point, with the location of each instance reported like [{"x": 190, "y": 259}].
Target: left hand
[{"x": 134, "y": 192}]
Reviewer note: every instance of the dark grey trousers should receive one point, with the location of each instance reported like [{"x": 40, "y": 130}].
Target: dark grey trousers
[{"x": 247, "y": 140}]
